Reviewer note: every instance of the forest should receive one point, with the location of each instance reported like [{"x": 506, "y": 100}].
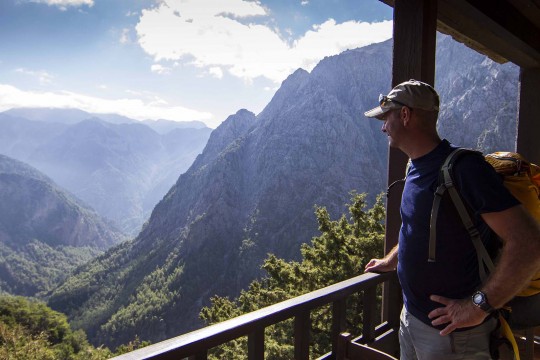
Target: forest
[{"x": 31, "y": 330}]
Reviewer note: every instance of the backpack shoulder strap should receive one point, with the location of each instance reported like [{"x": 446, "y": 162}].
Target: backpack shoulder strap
[{"x": 446, "y": 183}]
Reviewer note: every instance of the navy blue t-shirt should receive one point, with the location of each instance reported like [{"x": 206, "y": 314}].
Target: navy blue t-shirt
[{"x": 454, "y": 274}]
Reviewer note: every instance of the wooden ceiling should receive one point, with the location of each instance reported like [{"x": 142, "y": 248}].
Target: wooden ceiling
[{"x": 502, "y": 30}]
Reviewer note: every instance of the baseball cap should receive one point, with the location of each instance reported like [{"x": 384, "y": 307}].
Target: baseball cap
[{"x": 413, "y": 93}]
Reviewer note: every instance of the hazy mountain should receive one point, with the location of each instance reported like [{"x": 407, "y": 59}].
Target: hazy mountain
[
  {"x": 44, "y": 232},
  {"x": 73, "y": 116},
  {"x": 50, "y": 115},
  {"x": 121, "y": 170},
  {"x": 253, "y": 189},
  {"x": 19, "y": 137},
  {"x": 162, "y": 126}
]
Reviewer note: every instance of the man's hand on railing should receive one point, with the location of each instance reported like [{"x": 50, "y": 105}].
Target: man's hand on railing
[
  {"x": 378, "y": 265},
  {"x": 388, "y": 263}
]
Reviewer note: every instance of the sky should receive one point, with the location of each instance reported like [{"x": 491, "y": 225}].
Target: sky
[{"x": 179, "y": 60}]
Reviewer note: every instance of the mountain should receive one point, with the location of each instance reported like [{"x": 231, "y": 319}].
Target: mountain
[
  {"x": 121, "y": 170},
  {"x": 44, "y": 231},
  {"x": 50, "y": 115},
  {"x": 253, "y": 189},
  {"x": 19, "y": 137},
  {"x": 478, "y": 95},
  {"x": 162, "y": 126},
  {"x": 73, "y": 116}
]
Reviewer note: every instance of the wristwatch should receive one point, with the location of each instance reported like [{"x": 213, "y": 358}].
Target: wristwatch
[{"x": 480, "y": 299}]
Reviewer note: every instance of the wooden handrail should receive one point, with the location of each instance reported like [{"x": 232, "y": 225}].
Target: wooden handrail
[{"x": 196, "y": 344}]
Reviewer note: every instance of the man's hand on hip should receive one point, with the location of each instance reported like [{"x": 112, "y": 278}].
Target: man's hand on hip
[{"x": 456, "y": 313}]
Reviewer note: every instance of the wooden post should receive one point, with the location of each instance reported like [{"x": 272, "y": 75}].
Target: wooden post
[
  {"x": 202, "y": 356},
  {"x": 415, "y": 25},
  {"x": 302, "y": 328},
  {"x": 339, "y": 308},
  {"x": 256, "y": 345},
  {"x": 528, "y": 126},
  {"x": 370, "y": 320}
]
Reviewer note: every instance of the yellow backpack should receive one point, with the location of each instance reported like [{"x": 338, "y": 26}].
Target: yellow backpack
[{"x": 522, "y": 178}]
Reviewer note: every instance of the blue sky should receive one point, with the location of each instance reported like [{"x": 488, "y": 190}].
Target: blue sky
[{"x": 173, "y": 59}]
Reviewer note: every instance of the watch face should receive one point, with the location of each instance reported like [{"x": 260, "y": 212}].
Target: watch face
[{"x": 478, "y": 298}]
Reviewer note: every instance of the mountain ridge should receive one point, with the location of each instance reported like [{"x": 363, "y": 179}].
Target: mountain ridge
[
  {"x": 71, "y": 116},
  {"x": 44, "y": 231},
  {"x": 121, "y": 170}
]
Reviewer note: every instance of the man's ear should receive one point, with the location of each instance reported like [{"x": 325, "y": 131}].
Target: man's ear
[{"x": 405, "y": 115}]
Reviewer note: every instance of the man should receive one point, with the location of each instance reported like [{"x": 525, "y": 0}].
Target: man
[{"x": 438, "y": 296}]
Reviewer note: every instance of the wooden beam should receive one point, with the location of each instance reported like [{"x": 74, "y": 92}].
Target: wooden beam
[
  {"x": 528, "y": 128},
  {"x": 530, "y": 9},
  {"x": 494, "y": 28},
  {"x": 502, "y": 30}
]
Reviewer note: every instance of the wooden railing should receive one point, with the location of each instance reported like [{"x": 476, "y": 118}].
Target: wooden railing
[{"x": 379, "y": 330}]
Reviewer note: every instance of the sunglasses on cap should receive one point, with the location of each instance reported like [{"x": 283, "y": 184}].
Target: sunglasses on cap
[{"x": 383, "y": 99}]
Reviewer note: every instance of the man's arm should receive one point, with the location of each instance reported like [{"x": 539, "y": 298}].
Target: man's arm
[
  {"x": 520, "y": 257},
  {"x": 388, "y": 263},
  {"x": 519, "y": 261}
]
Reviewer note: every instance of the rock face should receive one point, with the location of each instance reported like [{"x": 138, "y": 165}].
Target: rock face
[
  {"x": 121, "y": 170},
  {"x": 253, "y": 189},
  {"x": 478, "y": 97},
  {"x": 44, "y": 232}
]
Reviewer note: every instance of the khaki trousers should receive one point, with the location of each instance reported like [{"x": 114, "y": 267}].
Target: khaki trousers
[{"x": 419, "y": 341}]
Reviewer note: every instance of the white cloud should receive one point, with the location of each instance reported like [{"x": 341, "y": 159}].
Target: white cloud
[
  {"x": 216, "y": 72},
  {"x": 64, "y": 4},
  {"x": 330, "y": 38},
  {"x": 12, "y": 97},
  {"x": 43, "y": 77},
  {"x": 208, "y": 33},
  {"x": 124, "y": 36},
  {"x": 160, "y": 69}
]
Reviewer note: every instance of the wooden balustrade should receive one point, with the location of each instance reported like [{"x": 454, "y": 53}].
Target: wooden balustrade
[{"x": 379, "y": 334}]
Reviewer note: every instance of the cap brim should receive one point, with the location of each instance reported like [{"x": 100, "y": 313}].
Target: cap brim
[
  {"x": 379, "y": 111},
  {"x": 376, "y": 112}
]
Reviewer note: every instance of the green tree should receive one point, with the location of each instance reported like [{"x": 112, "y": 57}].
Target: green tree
[
  {"x": 339, "y": 253},
  {"x": 31, "y": 330}
]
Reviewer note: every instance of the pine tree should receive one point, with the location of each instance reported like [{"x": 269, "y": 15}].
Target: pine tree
[{"x": 339, "y": 253}]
